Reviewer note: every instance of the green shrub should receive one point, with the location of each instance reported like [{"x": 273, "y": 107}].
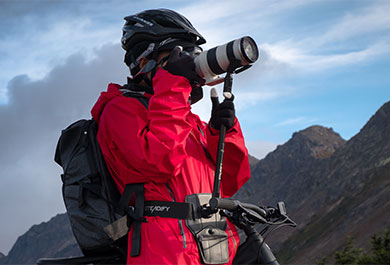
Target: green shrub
[{"x": 351, "y": 255}]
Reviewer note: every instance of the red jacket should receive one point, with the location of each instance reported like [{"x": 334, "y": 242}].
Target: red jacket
[{"x": 166, "y": 144}]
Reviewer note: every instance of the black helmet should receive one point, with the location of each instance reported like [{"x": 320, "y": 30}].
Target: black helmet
[{"x": 157, "y": 26}]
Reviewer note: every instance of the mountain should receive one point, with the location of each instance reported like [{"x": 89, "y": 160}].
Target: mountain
[
  {"x": 48, "y": 239},
  {"x": 332, "y": 188},
  {"x": 354, "y": 198},
  {"x": 253, "y": 161},
  {"x": 282, "y": 174}
]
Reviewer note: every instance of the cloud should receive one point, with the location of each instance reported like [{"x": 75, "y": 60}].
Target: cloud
[
  {"x": 297, "y": 120},
  {"x": 37, "y": 35},
  {"x": 224, "y": 20},
  {"x": 301, "y": 61},
  {"x": 31, "y": 123},
  {"x": 220, "y": 10},
  {"x": 360, "y": 36},
  {"x": 374, "y": 18}
]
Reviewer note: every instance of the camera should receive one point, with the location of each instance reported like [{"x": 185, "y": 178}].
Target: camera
[{"x": 228, "y": 57}]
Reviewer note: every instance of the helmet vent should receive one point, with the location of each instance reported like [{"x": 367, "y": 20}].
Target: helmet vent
[
  {"x": 138, "y": 25},
  {"x": 166, "y": 23}
]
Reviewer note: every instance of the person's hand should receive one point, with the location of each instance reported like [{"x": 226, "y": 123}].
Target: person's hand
[
  {"x": 222, "y": 113},
  {"x": 182, "y": 64}
]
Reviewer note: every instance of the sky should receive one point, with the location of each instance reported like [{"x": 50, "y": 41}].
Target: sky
[{"x": 322, "y": 62}]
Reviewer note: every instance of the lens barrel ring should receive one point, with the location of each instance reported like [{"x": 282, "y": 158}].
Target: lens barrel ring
[{"x": 227, "y": 57}]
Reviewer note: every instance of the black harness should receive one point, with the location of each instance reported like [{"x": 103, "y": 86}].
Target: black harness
[
  {"x": 135, "y": 214},
  {"x": 209, "y": 232}
]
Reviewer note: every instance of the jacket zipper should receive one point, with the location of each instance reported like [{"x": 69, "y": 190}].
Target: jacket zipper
[{"x": 180, "y": 220}]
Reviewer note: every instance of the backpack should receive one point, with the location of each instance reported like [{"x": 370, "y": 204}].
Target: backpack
[{"x": 90, "y": 195}]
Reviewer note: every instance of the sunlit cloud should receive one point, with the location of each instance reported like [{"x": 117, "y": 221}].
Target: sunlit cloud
[
  {"x": 321, "y": 52},
  {"x": 301, "y": 60},
  {"x": 297, "y": 120}
]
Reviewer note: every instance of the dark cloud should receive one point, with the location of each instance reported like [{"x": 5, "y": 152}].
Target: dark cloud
[{"x": 30, "y": 126}]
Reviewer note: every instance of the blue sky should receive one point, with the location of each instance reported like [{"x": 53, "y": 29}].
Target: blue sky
[{"x": 321, "y": 62}]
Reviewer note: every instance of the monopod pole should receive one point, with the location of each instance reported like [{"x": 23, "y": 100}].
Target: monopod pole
[{"x": 227, "y": 93}]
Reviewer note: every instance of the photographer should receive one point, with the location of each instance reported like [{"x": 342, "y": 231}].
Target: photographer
[{"x": 166, "y": 146}]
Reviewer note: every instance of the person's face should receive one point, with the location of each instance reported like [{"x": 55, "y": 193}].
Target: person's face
[
  {"x": 144, "y": 61},
  {"x": 161, "y": 55}
]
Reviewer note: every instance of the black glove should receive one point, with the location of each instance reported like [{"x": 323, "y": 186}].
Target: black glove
[
  {"x": 182, "y": 63},
  {"x": 222, "y": 113}
]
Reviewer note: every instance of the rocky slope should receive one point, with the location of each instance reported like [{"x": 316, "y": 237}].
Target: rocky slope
[
  {"x": 281, "y": 175},
  {"x": 49, "y": 239},
  {"x": 332, "y": 188},
  {"x": 252, "y": 161}
]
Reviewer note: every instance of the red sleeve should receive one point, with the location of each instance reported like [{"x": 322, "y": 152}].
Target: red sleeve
[
  {"x": 148, "y": 145},
  {"x": 235, "y": 171}
]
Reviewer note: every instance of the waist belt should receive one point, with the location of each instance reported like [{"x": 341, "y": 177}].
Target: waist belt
[
  {"x": 135, "y": 215},
  {"x": 178, "y": 210}
]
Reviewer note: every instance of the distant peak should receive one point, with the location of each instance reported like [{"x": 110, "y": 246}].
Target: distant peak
[
  {"x": 318, "y": 134},
  {"x": 317, "y": 130},
  {"x": 320, "y": 141}
]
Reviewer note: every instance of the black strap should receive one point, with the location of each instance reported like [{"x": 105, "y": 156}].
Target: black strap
[
  {"x": 144, "y": 100},
  {"x": 167, "y": 209},
  {"x": 150, "y": 208},
  {"x": 133, "y": 86},
  {"x": 135, "y": 213}
]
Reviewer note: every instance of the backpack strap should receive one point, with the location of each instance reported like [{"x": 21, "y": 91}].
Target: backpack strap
[
  {"x": 138, "y": 95},
  {"x": 135, "y": 213}
]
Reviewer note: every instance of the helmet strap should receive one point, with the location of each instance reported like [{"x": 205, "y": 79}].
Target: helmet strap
[{"x": 150, "y": 66}]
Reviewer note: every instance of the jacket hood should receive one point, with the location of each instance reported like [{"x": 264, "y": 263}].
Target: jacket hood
[{"x": 112, "y": 92}]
